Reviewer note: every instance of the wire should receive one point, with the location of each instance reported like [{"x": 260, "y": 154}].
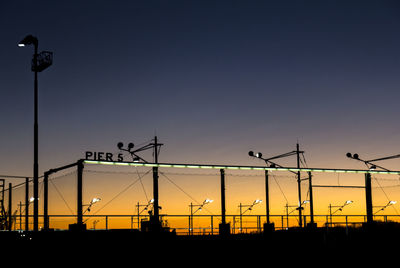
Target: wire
[
  {"x": 187, "y": 194},
  {"x": 62, "y": 197},
  {"x": 387, "y": 197},
  {"x": 273, "y": 176},
  {"x": 124, "y": 190}
]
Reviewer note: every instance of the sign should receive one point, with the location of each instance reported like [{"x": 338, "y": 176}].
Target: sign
[{"x": 103, "y": 156}]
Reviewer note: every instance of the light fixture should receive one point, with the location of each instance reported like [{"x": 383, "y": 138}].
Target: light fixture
[
  {"x": 95, "y": 200},
  {"x": 28, "y": 40}
]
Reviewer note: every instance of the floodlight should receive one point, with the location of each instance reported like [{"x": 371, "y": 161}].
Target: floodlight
[
  {"x": 120, "y": 145},
  {"x": 95, "y": 200},
  {"x": 28, "y": 40},
  {"x": 251, "y": 153},
  {"x": 373, "y": 167},
  {"x": 259, "y": 155},
  {"x": 349, "y": 202}
]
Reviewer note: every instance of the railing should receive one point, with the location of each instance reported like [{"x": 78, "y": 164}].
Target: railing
[{"x": 202, "y": 224}]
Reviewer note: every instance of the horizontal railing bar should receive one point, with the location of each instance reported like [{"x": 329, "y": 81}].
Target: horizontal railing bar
[{"x": 235, "y": 167}]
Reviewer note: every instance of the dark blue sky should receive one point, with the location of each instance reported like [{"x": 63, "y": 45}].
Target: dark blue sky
[{"x": 212, "y": 79}]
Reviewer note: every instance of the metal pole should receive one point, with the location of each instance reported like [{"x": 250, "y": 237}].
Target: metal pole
[
  {"x": 267, "y": 195},
  {"x": 138, "y": 215},
  {"x": 287, "y": 215},
  {"x": 299, "y": 184},
  {"x": 26, "y": 204},
  {"x": 20, "y": 215},
  {"x": 191, "y": 219},
  {"x": 79, "y": 195},
  {"x": 311, "y": 199},
  {"x": 9, "y": 206},
  {"x": 223, "y": 196},
  {"x": 36, "y": 152},
  {"x": 240, "y": 217},
  {"x": 155, "y": 195},
  {"x": 46, "y": 201},
  {"x": 368, "y": 198},
  {"x": 155, "y": 184}
]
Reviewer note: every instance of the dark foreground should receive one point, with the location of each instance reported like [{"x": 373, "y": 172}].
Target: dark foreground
[{"x": 296, "y": 246}]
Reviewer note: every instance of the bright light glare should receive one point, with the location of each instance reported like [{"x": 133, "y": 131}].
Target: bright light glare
[
  {"x": 208, "y": 201},
  {"x": 392, "y": 202},
  {"x": 349, "y": 202},
  {"x": 21, "y": 45},
  {"x": 257, "y": 201},
  {"x": 31, "y": 199},
  {"x": 95, "y": 200}
]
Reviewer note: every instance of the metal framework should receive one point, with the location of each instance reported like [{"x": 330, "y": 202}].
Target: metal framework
[{"x": 237, "y": 167}]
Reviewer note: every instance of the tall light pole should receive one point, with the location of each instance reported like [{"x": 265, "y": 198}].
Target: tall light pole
[
  {"x": 200, "y": 207},
  {"x": 273, "y": 164},
  {"x": 340, "y": 208},
  {"x": 39, "y": 63},
  {"x": 249, "y": 207}
]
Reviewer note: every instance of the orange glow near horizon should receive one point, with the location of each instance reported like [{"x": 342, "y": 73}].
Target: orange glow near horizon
[{"x": 121, "y": 189}]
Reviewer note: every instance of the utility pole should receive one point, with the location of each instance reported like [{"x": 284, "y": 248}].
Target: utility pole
[
  {"x": 224, "y": 228},
  {"x": 156, "y": 216},
  {"x": 26, "y": 204},
  {"x": 9, "y": 206},
  {"x": 311, "y": 200},
  {"x": 368, "y": 198},
  {"x": 299, "y": 185}
]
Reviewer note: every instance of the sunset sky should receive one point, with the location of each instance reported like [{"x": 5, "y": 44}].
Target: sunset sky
[{"x": 212, "y": 79}]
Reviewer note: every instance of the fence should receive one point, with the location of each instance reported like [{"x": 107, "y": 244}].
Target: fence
[
  {"x": 125, "y": 191},
  {"x": 202, "y": 224}
]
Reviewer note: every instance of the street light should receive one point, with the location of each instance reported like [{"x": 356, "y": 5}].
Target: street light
[
  {"x": 92, "y": 202},
  {"x": 299, "y": 207},
  {"x": 340, "y": 208},
  {"x": 139, "y": 212},
  {"x": 390, "y": 203},
  {"x": 249, "y": 207},
  {"x": 368, "y": 163},
  {"x": 268, "y": 161},
  {"x": 39, "y": 62},
  {"x": 200, "y": 207}
]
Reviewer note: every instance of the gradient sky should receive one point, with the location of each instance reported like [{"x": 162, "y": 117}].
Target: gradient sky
[{"x": 212, "y": 79}]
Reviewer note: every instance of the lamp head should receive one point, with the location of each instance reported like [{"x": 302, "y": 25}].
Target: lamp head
[
  {"x": 349, "y": 155},
  {"x": 251, "y": 153},
  {"x": 28, "y": 40},
  {"x": 95, "y": 200},
  {"x": 130, "y": 145},
  {"x": 120, "y": 145},
  {"x": 259, "y": 155},
  {"x": 372, "y": 167}
]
